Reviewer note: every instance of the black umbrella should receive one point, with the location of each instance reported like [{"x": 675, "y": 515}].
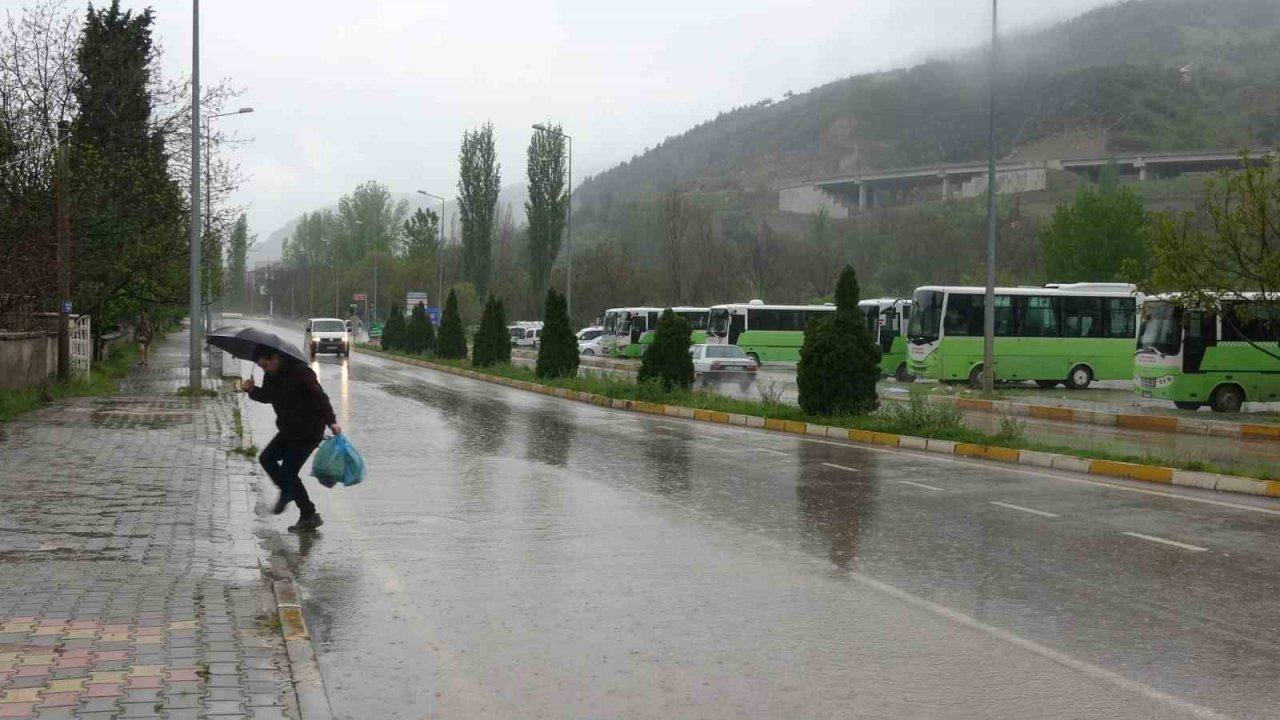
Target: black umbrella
[{"x": 243, "y": 341}]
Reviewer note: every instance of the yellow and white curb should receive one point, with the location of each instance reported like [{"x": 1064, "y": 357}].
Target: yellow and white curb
[{"x": 1055, "y": 461}]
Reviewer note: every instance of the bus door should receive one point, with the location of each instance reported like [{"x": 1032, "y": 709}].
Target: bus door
[
  {"x": 1202, "y": 333},
  {"x": 737, "y": 324},
  {"x": 889, "y": 327}
]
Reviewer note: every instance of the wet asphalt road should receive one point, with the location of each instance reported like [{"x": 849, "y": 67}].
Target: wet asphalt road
[{"x": 513, "y": 555}]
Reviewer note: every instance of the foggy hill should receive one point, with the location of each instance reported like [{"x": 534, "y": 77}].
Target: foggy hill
[
  {"x": 1144, "y": 75},
  {"x": 514, "y": 195}
]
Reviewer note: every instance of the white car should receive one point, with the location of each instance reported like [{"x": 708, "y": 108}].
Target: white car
[
  {"x": 525, "y": 335},
  {"x": 327, "y": 335},
  {"x": 722, "y": 363},
  {"x": 589, "y": 340}
]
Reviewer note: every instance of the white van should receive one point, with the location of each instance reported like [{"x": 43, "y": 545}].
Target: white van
[
  {"x": 525, "y": 334},
  {"x": 327, "y": 335}
]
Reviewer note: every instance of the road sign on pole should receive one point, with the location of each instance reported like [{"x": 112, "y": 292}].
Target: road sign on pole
[{"x": 358, "y": 297}]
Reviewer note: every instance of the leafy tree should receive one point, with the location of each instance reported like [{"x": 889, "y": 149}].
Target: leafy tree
[
  {"x": 420, "y": 336},
  {"x": 452, "y": 342},
  {"x": 557, "y": 348},
  {"x": 393, "y": 332},
  {"x": 238, "y": 259},
  {"x": 469, "y": 307},
  {"x": 667, "y": 359},
  {"x": 129, "y": 216},
  {"x": 1210, "y": 260},
  {"x": 492, "y": 344},
  {"x": 1096, "y": 237},
  {"x": 479, "y": 181},
  {"x": 422, "y": 235},
  {"x": 839, "y": 361},
  {"x": 547, "y": 205}
]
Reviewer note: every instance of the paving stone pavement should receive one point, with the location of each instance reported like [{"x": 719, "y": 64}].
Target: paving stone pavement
[{"x": 129, "y": 576}]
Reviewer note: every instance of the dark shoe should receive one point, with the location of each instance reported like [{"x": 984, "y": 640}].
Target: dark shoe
[
  {"x": 307, "y": 524},
  {"x": 282, "y": 503}
]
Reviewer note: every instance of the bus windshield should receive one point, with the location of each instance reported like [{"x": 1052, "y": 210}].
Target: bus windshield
[
  {"x": 1161, "y": 328},
  {"x": 926, "y": 316},
  {"x": 719, "y": 322}
]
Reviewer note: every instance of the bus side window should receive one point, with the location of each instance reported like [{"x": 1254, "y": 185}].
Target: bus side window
[
  {"x": 737, "y": 323},
  {"x": 1121, "y": 318}
]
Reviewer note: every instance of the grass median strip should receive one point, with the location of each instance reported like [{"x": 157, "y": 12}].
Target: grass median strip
[{"x": 915, "y": 417}]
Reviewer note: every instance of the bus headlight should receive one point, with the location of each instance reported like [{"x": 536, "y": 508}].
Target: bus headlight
[{"x": 1164, "y": 381}]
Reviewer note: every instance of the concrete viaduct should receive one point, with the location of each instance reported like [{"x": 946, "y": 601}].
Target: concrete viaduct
[{"x": 845, "y": 196}]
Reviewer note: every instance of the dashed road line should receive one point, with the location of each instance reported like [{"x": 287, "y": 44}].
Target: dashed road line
[
  {"x": 1024, "y": 509},
  {"x": 1175, "y": 543},
  {"x": 920, "y": 485},
  {"x": 841, "y": 467}
]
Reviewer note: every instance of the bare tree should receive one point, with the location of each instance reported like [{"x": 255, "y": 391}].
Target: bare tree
[{"x": 676, "y": 213}]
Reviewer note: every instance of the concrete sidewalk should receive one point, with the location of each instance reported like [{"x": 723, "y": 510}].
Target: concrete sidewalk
[{"x": 129, "y": 570}]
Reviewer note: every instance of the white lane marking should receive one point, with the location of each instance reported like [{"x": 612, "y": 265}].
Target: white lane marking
[
  {"x": 1021, "y": 470},
  {"x": 1175, "y": 543},
  {"x": 919, "y": 485},
  {"x": 1036, "y": 648},
  {"x": 1024, "y": 509},
  {"x": 841, "y": 467}
]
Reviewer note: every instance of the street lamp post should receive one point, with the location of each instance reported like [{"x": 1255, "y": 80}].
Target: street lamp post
[
  {"x": 208, "y": 172},
  {"x": 195, "y": 380},
  {"x": 568, "y": 221},
  {"x": 989, "y": 316},
  {"x": 439, "y": 250}
]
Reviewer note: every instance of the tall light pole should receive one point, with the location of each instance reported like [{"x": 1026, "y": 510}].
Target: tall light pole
[
  {"x": 195, "y": 380},
  {"x": 568, "y": 221},
  {"x": 989, "y": 315},
  {"x": 208, "y": 168},
  {"x": 439, "y": 250}
]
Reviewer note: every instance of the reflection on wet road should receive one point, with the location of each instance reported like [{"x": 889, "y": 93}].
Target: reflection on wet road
[{"x": 513, "y": 555}]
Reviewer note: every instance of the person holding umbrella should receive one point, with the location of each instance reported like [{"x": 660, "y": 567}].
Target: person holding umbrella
[{"x": 303, "y": 411}]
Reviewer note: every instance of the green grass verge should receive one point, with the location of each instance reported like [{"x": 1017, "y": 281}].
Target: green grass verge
[
  {"x": 103, "y": 380},
  {"x": 917, "y": 417}
]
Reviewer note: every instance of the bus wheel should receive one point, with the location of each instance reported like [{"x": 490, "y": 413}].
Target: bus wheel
[
  {"x": 1048, "y": 384},
  {"x": 903, "y": 375},
  {"x": 754, "y": 358},
  {"x": 1187, "y": 405},
  {"x": 1079, "y": 377},
  {"x": 1227, "y": 398},
  {"x": 975, "y": 378}
]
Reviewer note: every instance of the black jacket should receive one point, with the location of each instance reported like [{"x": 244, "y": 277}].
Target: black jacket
[{"x": 302, "y": 407}]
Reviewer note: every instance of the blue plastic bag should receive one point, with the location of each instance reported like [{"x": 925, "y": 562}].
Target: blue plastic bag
[{"x": 337, "y": 461}]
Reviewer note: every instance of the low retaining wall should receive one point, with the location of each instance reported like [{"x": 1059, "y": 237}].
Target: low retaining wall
[{"x": 27, "y": 359}]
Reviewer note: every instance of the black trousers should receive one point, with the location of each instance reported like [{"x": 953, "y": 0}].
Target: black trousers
[{"x": 282, "y": 459}]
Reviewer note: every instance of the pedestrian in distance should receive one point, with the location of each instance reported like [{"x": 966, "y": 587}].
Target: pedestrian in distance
[
  {"x": 143, "y": 333},
  {"x": 302, "y": 413}
]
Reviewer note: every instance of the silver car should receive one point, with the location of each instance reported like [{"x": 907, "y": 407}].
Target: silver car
[{"x": 713, "y": 364}]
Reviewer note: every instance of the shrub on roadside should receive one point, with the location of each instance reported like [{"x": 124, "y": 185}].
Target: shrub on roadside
[
  {"x": 420, "y": 337},
  {"x": 452, "y": 341},
  {"x": 557, "y": 348},
  {"x": 667, "y": 359},
  {"x": 492, "y": 343},
  {"x": 839, "y": 361},
  {"x": 393, "y": 329}
]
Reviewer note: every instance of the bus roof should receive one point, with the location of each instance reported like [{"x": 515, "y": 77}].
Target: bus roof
[
  {"x": 1076, "y": 289},
  {"x": 749, "y": 306},
  {"x": 883, "y": 302}
]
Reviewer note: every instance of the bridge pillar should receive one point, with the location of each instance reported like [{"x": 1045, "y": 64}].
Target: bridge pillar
[
  {"x": 1141, "y": 165},
  {"x": 946, "y": 187},
  {"x": 862, "y": 196}
]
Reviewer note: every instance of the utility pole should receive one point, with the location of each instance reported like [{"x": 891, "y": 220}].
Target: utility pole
[
  {"x": 989, "y": 306},
  {"x": 63, "y": 202},
  {"x": 195, "y": 382}
]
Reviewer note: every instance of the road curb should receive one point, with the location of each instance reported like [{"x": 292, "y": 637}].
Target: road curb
[
  {"x": 308, "y": 684},
  {"x": 1108, "y": 468},
  {"x": 1130, "y": 421}
]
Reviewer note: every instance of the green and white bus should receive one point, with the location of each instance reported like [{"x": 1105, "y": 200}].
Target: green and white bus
[
  {"x": 1063, "y": 333},
  {"x": 1193, "y": 357},
  {"x": 887, "y": 319},
  {"x": 767, "y": 333},
  {"x": 628, "y": 332}
]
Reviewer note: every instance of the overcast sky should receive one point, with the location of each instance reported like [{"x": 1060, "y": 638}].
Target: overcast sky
[{"x": 347, "y": 91}]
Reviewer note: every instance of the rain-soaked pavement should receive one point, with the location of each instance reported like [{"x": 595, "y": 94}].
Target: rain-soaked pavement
[{"x": 514, "y": 555}]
